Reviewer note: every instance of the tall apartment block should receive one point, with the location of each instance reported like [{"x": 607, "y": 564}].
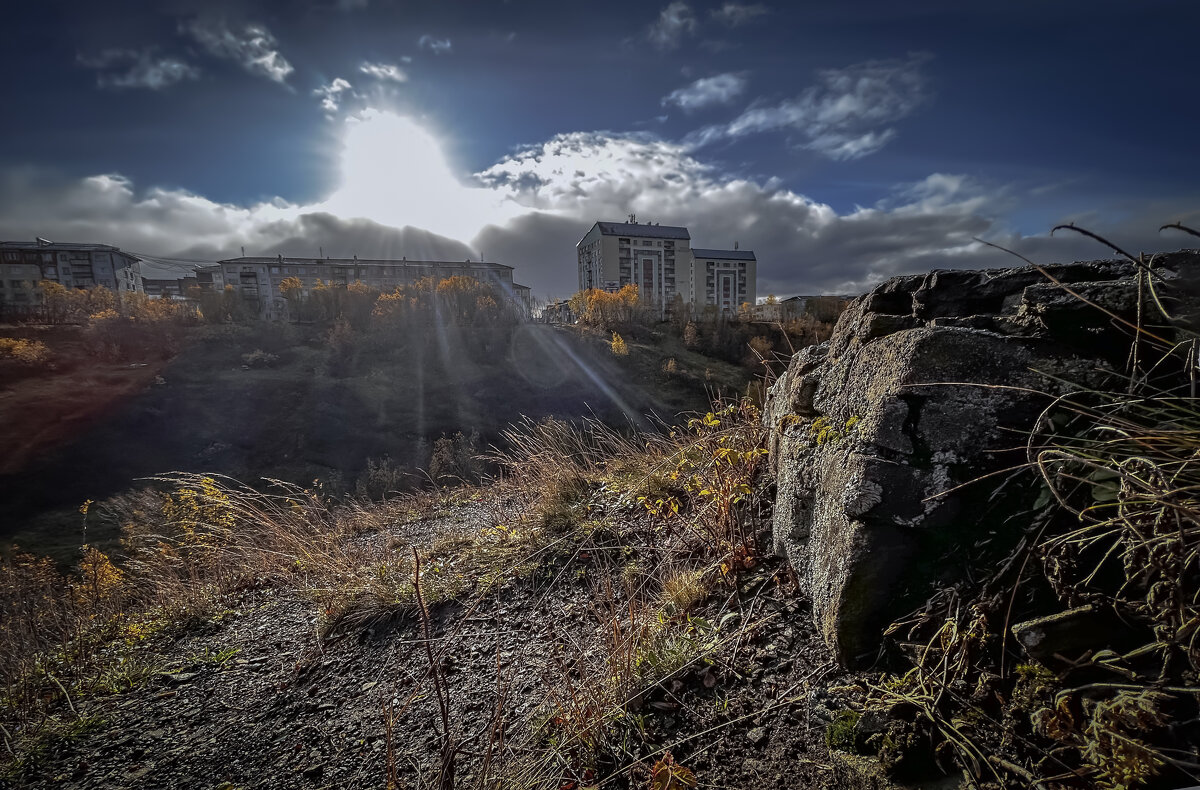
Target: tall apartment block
[{"x": 661, "y": 262}]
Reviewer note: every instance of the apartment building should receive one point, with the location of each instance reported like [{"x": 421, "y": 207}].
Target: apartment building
[
  {"x": 257, "y": 279},
  {"x": 725, "y": 278},
  {"x": 615, "y": 254},
  {"x": 661, "y": 262},
  {"x": 23, "y": 264}
]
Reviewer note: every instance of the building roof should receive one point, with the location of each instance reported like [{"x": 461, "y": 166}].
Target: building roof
[
  {"x": 724, "y": 255},
  {"x": 160, "y": 270},
  {"x": 61, "y": 246},
  {"x": 645, "y": 231},
  {"x": 360, "y": 262}
]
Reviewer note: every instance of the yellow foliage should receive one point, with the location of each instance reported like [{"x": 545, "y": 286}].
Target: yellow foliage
[
  {"x": 290, "y": 286},
  {"x": 101, "y": 584},
  {"x": 619, "y": 346},
  {"x": 602, "y": 308},
  {"x": 28, "y": 352},
  {"x": 202, "y": 513}
]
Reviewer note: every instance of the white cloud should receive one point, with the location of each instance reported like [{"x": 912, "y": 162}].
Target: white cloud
[
  {"x": 673, "y": 23},
  {"x": 530, "y": 208},
  {"x": 253, "y": 47},
  {"x": 738, "y": 14},
  {"x": 331, "y": 94},
  {"x": 846, "y": 116},
  {"x": 438, "y": 46},
  {"x": 123, "y": 68},
  {"x": 706, "y": 92},
  {"x": 178, "y": 223},
  {"x": 387, "y": 72}
]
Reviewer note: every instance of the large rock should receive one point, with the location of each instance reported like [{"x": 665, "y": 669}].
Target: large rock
[{"x": 928, "y": 383}]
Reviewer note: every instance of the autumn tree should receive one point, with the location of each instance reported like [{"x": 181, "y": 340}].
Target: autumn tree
[{"x": 292, "y": 290}]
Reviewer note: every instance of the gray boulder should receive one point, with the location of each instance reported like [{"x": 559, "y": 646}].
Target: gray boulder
[{"x": 928, "y": 383}]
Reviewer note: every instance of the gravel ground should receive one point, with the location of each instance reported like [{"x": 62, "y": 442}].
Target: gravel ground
[{"x": 257, "y": 699}]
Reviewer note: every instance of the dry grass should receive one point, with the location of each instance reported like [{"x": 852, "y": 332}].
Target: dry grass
[
  {"x": 566, "y": 498},
  {"x": 1117, "y": 527}
]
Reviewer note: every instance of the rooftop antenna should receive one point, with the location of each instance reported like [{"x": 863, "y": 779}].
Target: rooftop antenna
[
  {"x": 322, "y": 249},
  {"x": 243, "y": 251},
  {"x": 633, "y": 219},
  {"x": 735, "y": 245}
]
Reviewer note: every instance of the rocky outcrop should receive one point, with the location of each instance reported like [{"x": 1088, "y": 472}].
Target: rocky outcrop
[{"x": 928, "y": 383}]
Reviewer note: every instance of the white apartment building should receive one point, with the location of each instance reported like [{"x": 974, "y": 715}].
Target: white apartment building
[
  {"x": 725, "y": 278},
  {"x": 661, "y": 262},
  {"x": 257, "y": 279},
  {"x": 23, "y": 264}
]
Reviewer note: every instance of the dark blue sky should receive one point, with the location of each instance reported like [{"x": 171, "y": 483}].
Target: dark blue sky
[{"x": 842, "y": 141}]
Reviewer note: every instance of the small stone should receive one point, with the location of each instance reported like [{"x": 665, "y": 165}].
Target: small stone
[
  {"x": 179, "y": 678},
  {"x": 757, "y": 736}
]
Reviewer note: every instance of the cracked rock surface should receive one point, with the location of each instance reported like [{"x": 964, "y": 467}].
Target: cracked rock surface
[{"x": 929, "y": 383}]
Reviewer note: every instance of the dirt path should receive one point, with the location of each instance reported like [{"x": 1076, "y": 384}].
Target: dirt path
[{"x": 254, "y": 698}]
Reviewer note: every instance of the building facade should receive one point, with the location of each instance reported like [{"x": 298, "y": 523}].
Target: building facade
[
  {"x": 661, "y": 262},
  {"x": 615, "y": 254},
  {"x": 725, "y": 278},
  {"x": 257, "y": 279},
  {"x": 24, "y": 264}
]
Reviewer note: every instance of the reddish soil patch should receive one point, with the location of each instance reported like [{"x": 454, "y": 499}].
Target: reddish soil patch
[{"x": 45, "y": 406}]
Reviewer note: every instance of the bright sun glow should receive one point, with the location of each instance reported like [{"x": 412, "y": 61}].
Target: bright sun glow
[{"x": 394, "y": 172}]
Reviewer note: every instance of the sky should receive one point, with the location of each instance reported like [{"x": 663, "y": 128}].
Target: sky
[{"x": 843, "y": 142}]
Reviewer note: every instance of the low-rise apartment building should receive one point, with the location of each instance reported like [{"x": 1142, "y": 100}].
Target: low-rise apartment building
[
  {"x": 258, "y": 279},
  {"x": 23, "y": 264}
]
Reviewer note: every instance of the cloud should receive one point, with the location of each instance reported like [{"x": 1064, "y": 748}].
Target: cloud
[
  {"x": 178, "y": 223},
  {"x": 438, "y": 46},
  {"x": 803, "y": 245},
  {"x": 846, "y": 116},
  {"x": 673, "y": 23},
  {"x": 384, "y": 71},
  {"x": 706, "y": 92},
  {"x": 331, "y": 94},
  {"x": 530, "y": 208},
  {"x": 253, "y": 47},
  {"x": 738, "y": 14},
  {"x": 123, "y": 68}
]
